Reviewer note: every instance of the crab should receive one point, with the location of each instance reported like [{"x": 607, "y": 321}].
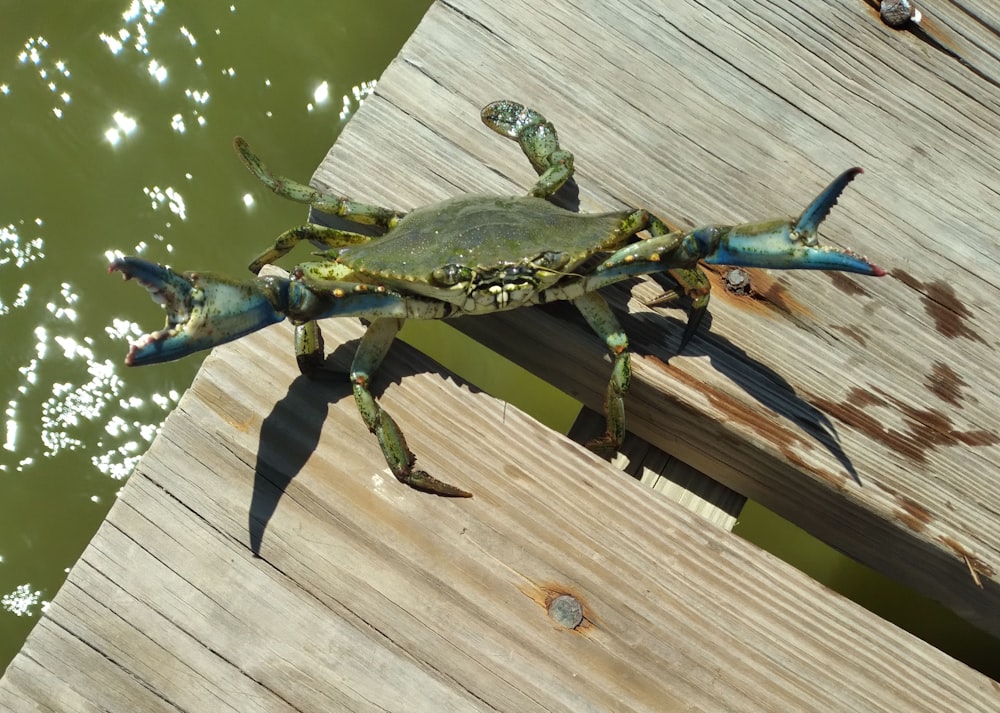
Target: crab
[{"x": 469, "y": 255}]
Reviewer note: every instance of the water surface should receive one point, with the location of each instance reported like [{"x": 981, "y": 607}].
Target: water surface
[{"x": 117, "y": 119}]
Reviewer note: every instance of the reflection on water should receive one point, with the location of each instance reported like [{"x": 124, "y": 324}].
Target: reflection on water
[
  {"x": 117, "y": 130},
  {"x": 21, "y": 601},
  {"x": 49, "y": 73}
]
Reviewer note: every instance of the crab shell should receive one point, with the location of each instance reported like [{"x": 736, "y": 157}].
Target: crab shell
[{"x": 479, "y": 253}]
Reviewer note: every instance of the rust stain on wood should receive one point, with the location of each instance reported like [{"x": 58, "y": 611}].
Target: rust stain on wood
[
  {"x": 847, "y": 285},
  {"x": 854, "y": 333},
  {"x": 545, "y": 594},
  {"x": 945, "y": 383},
  {"x": 765, "y": 293},
  {"x": 941, "y": 303},
  {"x": 230, "y": 409},
  {"x": 914, "y": 515},
  {"x": 926, "y": 429},
  {"x": 770, "y": 430}
]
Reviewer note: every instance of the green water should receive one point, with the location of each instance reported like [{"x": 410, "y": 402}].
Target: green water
[{"x": 117, "y": 119}]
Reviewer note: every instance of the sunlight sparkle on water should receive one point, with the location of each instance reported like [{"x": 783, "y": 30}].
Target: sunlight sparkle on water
[
  {"x": 157, "y": 71},
  {"x": 360, "y": 93},
  {"x": 67, "y": 311},
  {"x": 13, "y": 249},
  {"x": 11, "y": 413},
  {"x": 124, "y": 125},
  {"x": 148, "y": 8},
  {"x": 70, "y": 403},
  {"x": 32, "y": 54},
  {"x": 321, "y": 94},
  {"x": 137, "y": 18},
  {"x": 88, "y": 392},
  {"x": 115, "y": 43},
  {"x": 21, "y": 600},
  {"x": 173, "y": 200}
]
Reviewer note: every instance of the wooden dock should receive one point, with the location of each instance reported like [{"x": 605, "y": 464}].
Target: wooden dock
[{"x": 262, "y": 559}]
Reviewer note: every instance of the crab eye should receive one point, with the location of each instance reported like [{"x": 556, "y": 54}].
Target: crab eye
[
  {"x": 551, "y": 260},
  {"x": 451, "y": 275}
]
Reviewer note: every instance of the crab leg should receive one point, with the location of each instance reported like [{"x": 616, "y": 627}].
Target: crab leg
[
  {"x": 538, "y": 140},
  {"x": 203, "y": 310},
  {"x": 316, "y": 234},
  {"x": 603, "y": 321},
  {"x": 371, "y": 351},
  {"x": 694, "y": 283},
  {"x": 784, "y": 244},
  {"x": 206, "y": 310},
  {"x": 320, "y": 200}
]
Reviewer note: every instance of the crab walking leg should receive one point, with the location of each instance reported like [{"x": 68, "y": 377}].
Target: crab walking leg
[
  {"x": 603, "y": 321},
  {"x": 320, "y": 200},
  {"x": 690, "y": 278},
  {"x": 371, "y": 351},
  {"x": 784, "y": 244},
  {"x": 318, "y": 234},
  {"x": 538, "y": 140},
  {"x": 695, "y": 285},
  {"x": 309, "y": 352}
]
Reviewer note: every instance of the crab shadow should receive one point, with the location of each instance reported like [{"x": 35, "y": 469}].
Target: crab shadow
[
  {"x": 289, "y": 436},
  {"x": 762, "y": 383},
  {"x": 291, "y": 432}
]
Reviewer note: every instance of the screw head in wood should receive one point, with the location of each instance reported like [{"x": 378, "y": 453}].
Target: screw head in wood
[
  {"x": 896, "y": 13},
  {"x": 566, "y": 610},
  {"x": 738, "y": 281}
]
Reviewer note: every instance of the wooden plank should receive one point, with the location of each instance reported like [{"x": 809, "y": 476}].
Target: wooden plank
[
  {"x": 859, "y": 409},
  {"x": 262, "y": 559},
  {"x": 365, "y": 595},
  {"x": 689, "y": 488}
]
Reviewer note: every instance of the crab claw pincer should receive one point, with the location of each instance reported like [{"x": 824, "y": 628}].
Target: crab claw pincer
[
  {"x": 203, "y": 310},
  {"x": 785, "y": 244}
]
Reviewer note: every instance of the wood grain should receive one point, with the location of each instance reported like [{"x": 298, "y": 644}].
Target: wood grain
[
  {"x": 262, "y": 559},
  {"x": 864, "y": 410}
]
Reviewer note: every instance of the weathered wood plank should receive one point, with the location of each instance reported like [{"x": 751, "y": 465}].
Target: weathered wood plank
[
  {"x": 689, "y": 488},
  {"x": 369, "y": 596},
  {"x": 858, "y": 408},
  {"x": 260, "y": 558}
]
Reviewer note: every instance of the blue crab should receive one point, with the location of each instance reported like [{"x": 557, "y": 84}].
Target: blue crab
[{"x": 468, "y": 255}]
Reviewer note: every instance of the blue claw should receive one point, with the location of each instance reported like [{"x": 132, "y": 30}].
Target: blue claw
[
  {"x": 820, "y": 208},
  {"x": 203, "y": 310},
  {"x": 783, "y": 244}
]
